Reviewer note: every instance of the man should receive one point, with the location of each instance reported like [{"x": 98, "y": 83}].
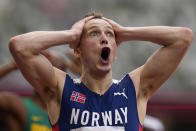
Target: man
[
  {"x": 28, "y": 113},
  {"x": 96, "y": 102}
]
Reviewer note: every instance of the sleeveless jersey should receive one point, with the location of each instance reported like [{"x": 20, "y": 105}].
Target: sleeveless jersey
[
  {"x": 37, "y": 119},
  {"x": 84, "y": 110}
]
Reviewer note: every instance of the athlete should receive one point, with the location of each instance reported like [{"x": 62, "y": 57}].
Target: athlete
[
  {"x": 95, "y": 102},
  {"x": 28, "y": 113}
]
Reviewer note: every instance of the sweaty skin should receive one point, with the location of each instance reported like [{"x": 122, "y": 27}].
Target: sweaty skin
[{"x": 96, "y": 73}]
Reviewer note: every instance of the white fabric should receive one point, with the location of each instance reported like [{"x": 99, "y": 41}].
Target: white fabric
[{"x": 100, "y": 128}]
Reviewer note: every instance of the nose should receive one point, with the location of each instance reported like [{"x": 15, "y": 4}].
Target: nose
[{"x": 104, "y": 40}]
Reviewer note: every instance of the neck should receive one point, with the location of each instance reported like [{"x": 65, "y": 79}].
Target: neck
[{"x": 97, "y": 82}]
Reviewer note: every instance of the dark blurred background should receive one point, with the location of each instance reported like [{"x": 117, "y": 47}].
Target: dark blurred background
[{"x": 174, "y": 104}]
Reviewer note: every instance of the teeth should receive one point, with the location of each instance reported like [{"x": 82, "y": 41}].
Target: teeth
[{"x": 105, "y": 53}]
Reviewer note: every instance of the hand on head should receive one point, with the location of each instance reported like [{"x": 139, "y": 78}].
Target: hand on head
[
  {"x": 117, "y": 30},
  {"x": 77, "y": 30}
]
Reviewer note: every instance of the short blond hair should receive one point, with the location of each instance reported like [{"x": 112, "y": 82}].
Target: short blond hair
[{"x": 96, "y": 15}]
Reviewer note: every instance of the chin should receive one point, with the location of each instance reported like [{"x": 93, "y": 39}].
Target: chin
[{"x": 104, "y": 69}]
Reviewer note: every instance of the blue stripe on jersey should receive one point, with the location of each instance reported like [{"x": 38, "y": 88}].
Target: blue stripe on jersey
[{"x": 81, "y": 107}]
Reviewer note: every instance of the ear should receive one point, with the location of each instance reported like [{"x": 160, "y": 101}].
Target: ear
[{"x": 77, "y": 52}]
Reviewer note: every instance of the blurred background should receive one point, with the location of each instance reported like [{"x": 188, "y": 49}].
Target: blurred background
[{"x": 175, "y": 102}]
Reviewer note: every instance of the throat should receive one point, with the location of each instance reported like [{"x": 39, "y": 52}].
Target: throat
[
  {"x": 101, "y": 89},
  {"x": 98, "y": 86}
]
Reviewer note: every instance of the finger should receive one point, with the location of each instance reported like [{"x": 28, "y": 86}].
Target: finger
[
  {"x": 106, "y": 19},
  {"x": 82, "y": 21},
  {"x": 88, "y": 18},
  {"x": 110, "y": 21},
  {"x": 78, "y": 24}
]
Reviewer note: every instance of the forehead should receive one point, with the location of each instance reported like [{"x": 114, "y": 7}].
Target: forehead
[{"x": 97, "y": 23}]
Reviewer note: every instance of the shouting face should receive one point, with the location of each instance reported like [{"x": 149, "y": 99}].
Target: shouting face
[{"x": 97, "y": 46}]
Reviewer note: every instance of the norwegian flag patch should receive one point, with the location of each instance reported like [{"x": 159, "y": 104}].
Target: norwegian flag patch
[{"x": 78, "y": 97}]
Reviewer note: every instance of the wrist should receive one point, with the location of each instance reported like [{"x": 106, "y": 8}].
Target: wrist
[
  {"x": 128, "y": 33},
  {"x": 122, "y": 34},
  {"x": 73, "y": 35},
  {"x": 73, "y": 38}
]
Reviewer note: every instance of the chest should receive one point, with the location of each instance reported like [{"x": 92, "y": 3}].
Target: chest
[{"x": 95, "y": 110}]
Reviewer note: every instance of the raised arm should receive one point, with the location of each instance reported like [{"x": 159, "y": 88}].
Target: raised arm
[
  {"x": 148, "y": 78},
  {"x": 174, "y": 41},
  {"x": 35, "y": 67}
]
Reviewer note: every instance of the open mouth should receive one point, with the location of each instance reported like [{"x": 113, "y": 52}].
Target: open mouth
[{"x": 105, "y": 53}]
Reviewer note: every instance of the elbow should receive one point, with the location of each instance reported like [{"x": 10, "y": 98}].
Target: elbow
[
  {"x": 186, "y": 36},
  {"x": 16, "y": 45}
]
